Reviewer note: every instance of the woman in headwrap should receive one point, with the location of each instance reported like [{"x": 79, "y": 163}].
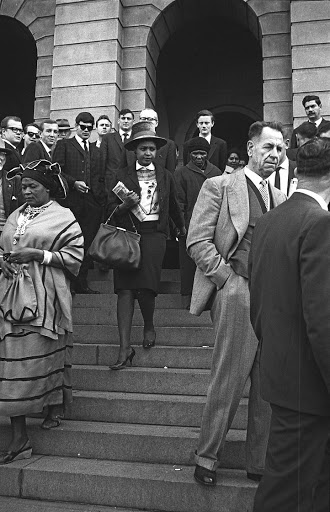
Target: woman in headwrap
[{"x": 44, "y": 239}]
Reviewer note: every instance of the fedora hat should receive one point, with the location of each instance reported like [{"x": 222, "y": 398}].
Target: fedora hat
[{"x": 144, "y": 130}]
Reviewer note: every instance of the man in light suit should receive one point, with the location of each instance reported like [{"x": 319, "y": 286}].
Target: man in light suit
[
  {"x": 289, "y": 271},
  {"x": 218, "y": 241},
  {"x": 218, "y": 147}
]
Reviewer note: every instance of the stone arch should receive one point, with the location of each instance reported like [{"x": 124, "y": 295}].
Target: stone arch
[
  {"x": 151, "y": 25},
  {"x": 38, "y": 16}
]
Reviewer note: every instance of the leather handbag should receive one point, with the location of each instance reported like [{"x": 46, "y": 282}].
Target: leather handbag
[
  {"x": 116, "y": 247},
  {"x": 19, "y": 302}
]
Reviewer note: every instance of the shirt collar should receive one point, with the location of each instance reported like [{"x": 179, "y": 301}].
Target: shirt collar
[
  {"x": 46, "y": 147},
  {"x": 81, "y": 141},
  {"x": 318, "y": 122},
  {"x": 253, "y": 176},
  {"x": 208, "y": 138},
  {"x": 315, "y": 196},
  {"x": 5, "y": 140},
  {"x": 151, "y": 166},
  {"x": 121, "y": 133}
]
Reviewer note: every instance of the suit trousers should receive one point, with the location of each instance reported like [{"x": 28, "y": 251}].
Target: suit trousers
[
  {"x": 296, "y": 474},
  {"x": 235, "y": 359}
]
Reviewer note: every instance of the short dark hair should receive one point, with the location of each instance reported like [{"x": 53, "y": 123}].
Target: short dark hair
[
  {"x": 103, "y": 116},
  {"x": 256, "y": 128},
  {"x": 323, "y": 129},
  {"x": 313, "y": 158},
  {"x": 311, "y": 97},
  {"x": 31, "y": 124},
  {"x": 85, "y": 117},
  {"x": 204, "y": 113},
  {"x": 46, "y": 121},
  {"x": 307, "y": 130},
  {"x": 5, "y": 121},
  {"x": 125, "y": 111},
  {"x": 234, "y": 150}
]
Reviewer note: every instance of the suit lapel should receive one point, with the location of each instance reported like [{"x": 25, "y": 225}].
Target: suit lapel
[
  {"x": 238, "y": 202},
  {"x": 76, "y": 144},
  {"x": 213, "y": 145},
  {"x": 117, "y": 138},
  {"x": 131, "y": 175}
]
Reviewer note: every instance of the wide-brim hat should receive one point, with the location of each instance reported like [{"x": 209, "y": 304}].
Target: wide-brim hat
[
  {"x": 63, "y": 124},
  {"x": 46, "y": 173},
  {"x": 144, "y": 130},
  {"x": 3, "y": 148}
]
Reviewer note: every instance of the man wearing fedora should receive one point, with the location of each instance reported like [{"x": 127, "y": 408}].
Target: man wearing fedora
[
  {"x": 42, "y": 149},
  {"x": 80, "y": 164},
  {"x": 152, "y": 187},
  {"x": 64, "y": 129}
]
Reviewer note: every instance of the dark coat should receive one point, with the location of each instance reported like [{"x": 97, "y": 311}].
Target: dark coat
[
  {"x": 217, "y": 154},
  {"x": 13, "y": 159},
  {"x": 293, "y": 140},
  {"x": 71, "y": 157},
  {"x": 290, "y": 285},
  {"x": 12, "y": 193},
  {"x": 113, "y": 154},
  {"x": 167, "y": 198},
  {"x": 189, "y": 180},
  {"x": 35, "y": 151},
  {"x": 166, "y": 156}
]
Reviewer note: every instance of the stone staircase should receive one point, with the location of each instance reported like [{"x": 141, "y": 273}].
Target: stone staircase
[{"x": 129, "y": 443}]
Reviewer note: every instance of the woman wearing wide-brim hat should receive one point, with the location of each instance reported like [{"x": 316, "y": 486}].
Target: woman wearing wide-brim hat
[{"x": 152, "y": 187}]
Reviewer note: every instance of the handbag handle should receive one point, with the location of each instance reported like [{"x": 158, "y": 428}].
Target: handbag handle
[{"x": 134, "y": 227}]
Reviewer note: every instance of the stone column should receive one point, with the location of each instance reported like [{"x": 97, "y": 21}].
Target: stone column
[
  {"x": 87, "y": 58},
  {"x": 310, "y": 40}
]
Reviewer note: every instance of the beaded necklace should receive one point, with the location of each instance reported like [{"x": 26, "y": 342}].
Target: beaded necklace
[{"x": 29, "y": 213}]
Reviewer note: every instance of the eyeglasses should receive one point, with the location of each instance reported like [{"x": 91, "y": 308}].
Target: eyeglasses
[
  {"x": 32, "y": 135},
  {"x": 150, "y": 119},
  {"x": 85, "y": 127},
  {"x": 18, "y": 131}
]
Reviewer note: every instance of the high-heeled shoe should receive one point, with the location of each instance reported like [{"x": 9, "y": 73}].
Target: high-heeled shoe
[
  {"x": 24, "y": 452},
  {"x": 120, "y": 365},
  {"x": 149, "y": 343}
]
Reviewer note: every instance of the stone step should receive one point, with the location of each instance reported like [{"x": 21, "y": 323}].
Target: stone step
[
  {"x": 166, "y": 275},
  {"x": 158, "y": 357},
  {"x": 150, "y": 409},
  {"x": 178, "y": 336},
  {"x": 162, "y": 317},
  {"x": 109, "y": 301},
  {"x": 28, "y": 505},
  {"x": 119, "y": 441},
  {"x": 107, "y": 286},
  {"x": 169, "y": 381},
  {"x": 160, "y": 487}
]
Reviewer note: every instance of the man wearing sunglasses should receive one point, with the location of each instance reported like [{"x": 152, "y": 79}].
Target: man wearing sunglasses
[
  {"x": 42, "y": 149},
  {"x": 31, "y": 134},
  {"x": 80, "y": 164},
  {"x": 12, "y": 133}
]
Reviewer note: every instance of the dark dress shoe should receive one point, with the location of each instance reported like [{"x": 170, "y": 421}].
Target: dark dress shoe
[
  {"x": 256, "y": 477},
  {"x": 205, "y": 476}
]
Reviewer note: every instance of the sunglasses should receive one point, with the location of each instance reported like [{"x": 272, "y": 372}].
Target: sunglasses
[
  {"x": 85, "y": 127},
  {"x": 32, "y": 134}
]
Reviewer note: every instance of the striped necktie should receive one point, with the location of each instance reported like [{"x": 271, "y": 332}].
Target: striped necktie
[{"x": 264, "y": 193}]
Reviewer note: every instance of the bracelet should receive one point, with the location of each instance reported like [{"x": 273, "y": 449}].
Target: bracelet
[{"x": 47, "y": 258}]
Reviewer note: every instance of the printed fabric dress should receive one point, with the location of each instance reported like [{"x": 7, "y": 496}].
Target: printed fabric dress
[{"x": 35, "y": 357}]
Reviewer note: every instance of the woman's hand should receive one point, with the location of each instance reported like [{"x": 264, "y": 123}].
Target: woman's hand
[
  {"x": 131, "y": 200},
  {"x": 25, "y": 255},
  {"x": 7, "y": 269}
]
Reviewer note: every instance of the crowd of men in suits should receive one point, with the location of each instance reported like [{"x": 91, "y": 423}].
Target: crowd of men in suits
[{"x": 290, "y": 246}]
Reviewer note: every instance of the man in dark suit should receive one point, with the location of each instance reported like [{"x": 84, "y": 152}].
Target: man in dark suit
[
  {"x": 80, "y": 163},
  {"x": 113, "y": 154},
  {"x": 166, "y": 155},
  {"x": 283, "y": 177},
  {"x": 10, "y": 190},
  {"x": 313, "y": 108},
  {"x": 325, "y": 130},
  {"x": 218, "y": 147},
  {"x": 42, "y": 149},
  {"x": 12, "y": 133},
  {"x": 289, "y": 272}
]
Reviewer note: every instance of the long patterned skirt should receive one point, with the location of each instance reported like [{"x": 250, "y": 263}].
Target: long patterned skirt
[{"x": 35, "y": 371}]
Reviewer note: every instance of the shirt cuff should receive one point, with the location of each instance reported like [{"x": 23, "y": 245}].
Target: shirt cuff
[{"x": 47, "y": 258}]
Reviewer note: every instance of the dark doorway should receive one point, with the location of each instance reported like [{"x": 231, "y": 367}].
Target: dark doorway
[
  {"x": 212, "y": 63},
  {"x": 19, "y": 64}
]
